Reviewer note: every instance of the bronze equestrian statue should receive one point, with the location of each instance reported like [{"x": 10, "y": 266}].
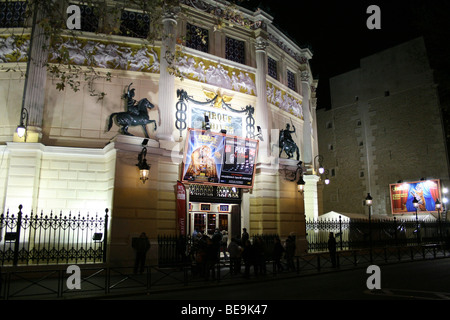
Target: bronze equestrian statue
[
  {"x": 136, "y": 115},
  {"x": 287, "y": 144}
]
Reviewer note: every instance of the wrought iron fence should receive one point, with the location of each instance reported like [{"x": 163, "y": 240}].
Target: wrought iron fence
[
  {"x": 358, "y": 233},
  {"x": 52, "y": 239},
  {"x": 181, "y": 250}
]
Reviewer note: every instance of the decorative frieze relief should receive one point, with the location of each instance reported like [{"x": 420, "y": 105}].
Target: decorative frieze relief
[
  {"x": 14, "y": 49},
  {"x": 217, "y": 74},
  {"x": 284, "y": 100},
  {"x": 109, "y": 55}
]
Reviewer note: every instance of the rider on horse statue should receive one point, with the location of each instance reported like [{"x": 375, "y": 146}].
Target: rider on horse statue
[
  {"x": 287, "y": 144},
  {"x": 135, "y": 115}
]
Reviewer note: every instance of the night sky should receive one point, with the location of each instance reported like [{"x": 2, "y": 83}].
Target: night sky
[{"x": 337, "y": 34}]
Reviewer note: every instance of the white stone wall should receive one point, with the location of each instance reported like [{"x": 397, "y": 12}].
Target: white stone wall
[{"x": 58, "y": 179}]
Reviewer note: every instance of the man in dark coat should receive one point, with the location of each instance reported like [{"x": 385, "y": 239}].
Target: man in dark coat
[
  {"x": 332, "y": 249},
  {"x": 141, "y": 245}
]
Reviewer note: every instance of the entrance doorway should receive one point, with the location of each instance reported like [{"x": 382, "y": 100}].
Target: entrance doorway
[
  {"x": 208, "y": 222},
  {"x": 207, "y": 217}
]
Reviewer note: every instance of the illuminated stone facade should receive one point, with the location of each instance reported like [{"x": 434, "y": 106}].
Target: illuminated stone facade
[{"x": 69, "y": 160}]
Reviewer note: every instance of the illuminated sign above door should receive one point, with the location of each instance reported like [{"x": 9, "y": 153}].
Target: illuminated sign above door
[{"x": 221, "y": 115}]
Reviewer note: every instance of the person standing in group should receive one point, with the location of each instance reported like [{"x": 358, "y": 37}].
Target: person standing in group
[
  {"x": 141, "y": 245},
  {"x": 278, "y": 251},
  {"x": 290, "y": 252},
  {"x": 248, "y": 255},
  {"x": 235, "y": 252},
  {"x": 332, "y": 249},
  {"x": 260, "y": 256},
  {"x": 224, "y": 244},
  {"x": 245, "y": 236},
  {"x": 216, "y": 241}
]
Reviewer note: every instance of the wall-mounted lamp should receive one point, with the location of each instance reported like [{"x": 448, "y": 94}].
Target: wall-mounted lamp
[
  {"x": 144, "y": 167},
  {"x": 301, "y": 184},
  {"x": 293, "y": 174},
  {"x": 22, "y": 127}
]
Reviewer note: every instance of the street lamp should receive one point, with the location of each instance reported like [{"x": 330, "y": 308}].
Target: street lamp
[
  {"x": 416, "y": 205},
  {"x": 438, "y": 207},
  {"x": 327, "y": 180},
  {"x": 368, "y": 202},
  {"x": 320, "y": 159}
]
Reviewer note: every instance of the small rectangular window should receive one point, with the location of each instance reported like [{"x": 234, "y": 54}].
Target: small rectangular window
[
  {"x": 197, "y": 38},
  {"x": 272, "y": 68},
  {"x": 12, "y": 14},
  {"x": 291, "y": 80},
  {"x": 134, "y": 24},
  {"x": 235, "y": 50}
]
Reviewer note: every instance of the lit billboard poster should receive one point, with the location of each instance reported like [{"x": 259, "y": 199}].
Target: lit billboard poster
[
  {"x": 425, "y": 191},
  {"x": 220, "y": 159}
]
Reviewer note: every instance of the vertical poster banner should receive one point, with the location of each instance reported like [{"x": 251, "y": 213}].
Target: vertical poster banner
[
  {"x": 425, "y": 191},
  {"x": 181, "y": 208},
  {"x": 203, "y": 156}
]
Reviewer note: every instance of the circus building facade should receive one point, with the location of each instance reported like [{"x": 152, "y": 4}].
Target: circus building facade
[{"x": 221, "y": 136}]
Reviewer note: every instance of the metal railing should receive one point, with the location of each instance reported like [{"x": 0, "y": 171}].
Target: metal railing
[
  {"x": 357, "y": 234},
  {"x": 102, "y": 280},
  {"x": 52, "y": 239}
]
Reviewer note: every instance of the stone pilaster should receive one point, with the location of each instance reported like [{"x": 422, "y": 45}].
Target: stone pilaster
[
  {"x": 35, "y": 81},
  {"x": 311, "y": 197},
  {"x": 166, "y": 79},
  {"x": 262, "y": 113},
  {"x": 307, "y": 137}
]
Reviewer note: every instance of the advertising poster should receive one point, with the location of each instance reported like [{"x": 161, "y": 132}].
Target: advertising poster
[
  {"x": 216, "y": 158},
  {"x": 181, "y": 208},
  {"x": 425, "y": 191}
]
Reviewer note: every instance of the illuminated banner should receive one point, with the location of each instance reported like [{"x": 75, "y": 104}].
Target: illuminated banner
[
  {"x": 220, "y": 159},
  {"x": 181, "y": 208},
  {"x": 402, "y": 195}
]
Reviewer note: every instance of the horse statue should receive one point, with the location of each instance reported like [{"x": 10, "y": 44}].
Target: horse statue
[
  {"x": 287, "y": 144},
  {"x": 136, "y": 115}
]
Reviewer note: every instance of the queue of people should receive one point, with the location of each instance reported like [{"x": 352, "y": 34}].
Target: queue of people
[{"x": 239, "y": 252}]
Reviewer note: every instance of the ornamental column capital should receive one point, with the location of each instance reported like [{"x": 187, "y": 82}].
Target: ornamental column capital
[
  {"x": 170, "y": 14},
  {"x": 261, "y": 44}
]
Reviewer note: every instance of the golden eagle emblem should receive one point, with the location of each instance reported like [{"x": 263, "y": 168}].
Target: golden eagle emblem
[{"x": 221, "y": 97}]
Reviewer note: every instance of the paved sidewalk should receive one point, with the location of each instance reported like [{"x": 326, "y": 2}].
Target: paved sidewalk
[{"x": 98, "y": 281}]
